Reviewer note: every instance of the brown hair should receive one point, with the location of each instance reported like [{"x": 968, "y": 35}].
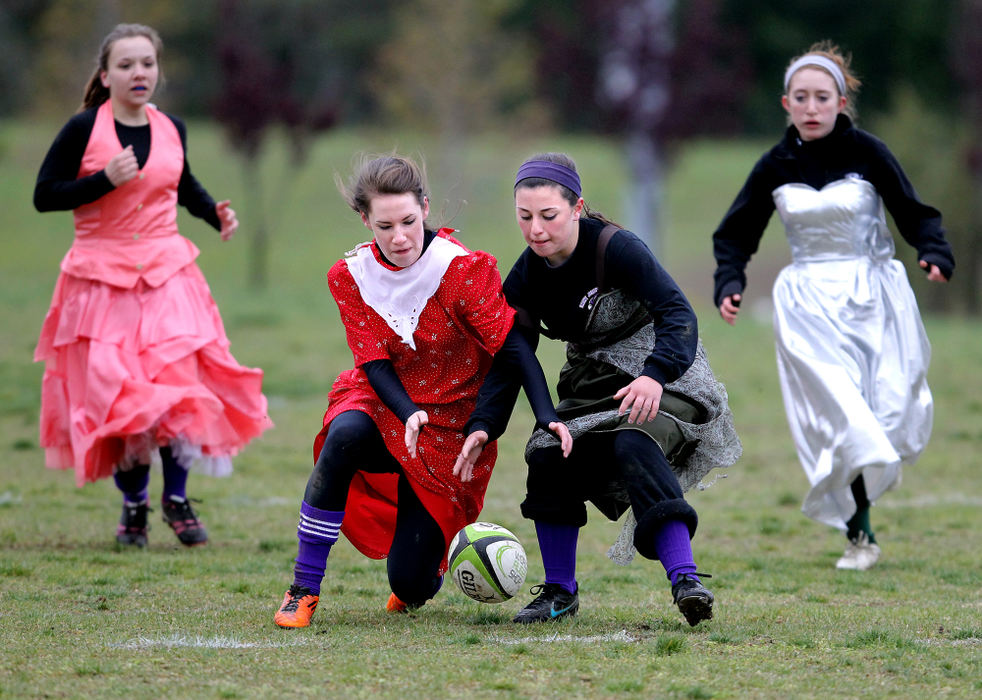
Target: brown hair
[
  {"x": 832, "y": 52},
  {"x": 567, "y": 194},
  {"x": 95, "y": 92},
  {"x": 375, "y": 175}
]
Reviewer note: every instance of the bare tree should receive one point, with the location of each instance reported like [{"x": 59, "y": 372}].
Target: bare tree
[
  {"x": 635, "y": 80},
  {"x": 663, "y": 84},
  {"x": 452, "y": 69},
  {"x": 262, "y": 66}
]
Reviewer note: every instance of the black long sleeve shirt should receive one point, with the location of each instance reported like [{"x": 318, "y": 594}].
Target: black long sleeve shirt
[
  {"x": 58, "y": 188},
  {"x": 846, "y": 150},
  {"x": 560, "y": 299},
  {"x": 513, "y": 357}
]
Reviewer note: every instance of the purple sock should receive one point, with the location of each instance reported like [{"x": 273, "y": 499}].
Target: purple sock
[
  {"x": 675, "y": 550},
  {"x": 557, "y": 544},
  {"x": 175, "y": 476},
  {"x": 133, "y": 483},
  {"x": 317, "y": 532}
]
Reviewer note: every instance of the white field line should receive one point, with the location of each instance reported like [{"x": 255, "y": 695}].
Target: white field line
[
  {"x": 179, "y": 640},
  {"x": 9, "y": 498},
  {"x": 270, "y": 502},
  {"x": 967, "y": 642},
  {"x": 621, "y": 636},
  {"x": 951, "y": 499}
]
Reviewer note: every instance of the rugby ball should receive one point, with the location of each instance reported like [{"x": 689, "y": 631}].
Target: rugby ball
[{"x": 487, "y": 562}]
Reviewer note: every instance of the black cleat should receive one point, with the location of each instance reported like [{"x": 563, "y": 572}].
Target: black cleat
[
  {"x": 553, "y": 602},
  {"x": 183, "y": 521},
  {"x": 695, "y": 601},
  {"x": 132, "y": 528}
]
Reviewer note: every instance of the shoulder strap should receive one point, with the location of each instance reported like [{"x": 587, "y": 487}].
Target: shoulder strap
[{"x": 602, "y": 240}]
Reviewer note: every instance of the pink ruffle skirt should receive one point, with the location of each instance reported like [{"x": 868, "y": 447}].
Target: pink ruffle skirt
[{"x": 130, "y": 370}]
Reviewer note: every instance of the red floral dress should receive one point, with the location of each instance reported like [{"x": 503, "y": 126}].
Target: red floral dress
[{"x": 459, "y": 329}]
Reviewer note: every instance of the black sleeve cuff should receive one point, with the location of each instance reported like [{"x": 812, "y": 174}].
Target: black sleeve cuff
[{"x": 728, "y": 289}]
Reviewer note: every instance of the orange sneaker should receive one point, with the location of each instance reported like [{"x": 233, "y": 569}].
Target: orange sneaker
[
  {"x": 395, "y": 605},
  {"x": 298, "y": 607}
]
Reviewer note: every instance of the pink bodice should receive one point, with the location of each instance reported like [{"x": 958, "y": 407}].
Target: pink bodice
[{"x": 131, "y": 233}]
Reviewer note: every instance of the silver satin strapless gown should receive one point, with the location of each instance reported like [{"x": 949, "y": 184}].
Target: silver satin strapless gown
[{"x": 852, "y": 353}]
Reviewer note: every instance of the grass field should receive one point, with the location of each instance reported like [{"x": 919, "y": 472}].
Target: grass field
[{"x": 80, "y": 618}]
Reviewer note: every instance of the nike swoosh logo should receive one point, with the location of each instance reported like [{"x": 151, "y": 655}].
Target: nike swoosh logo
[{"x": 556, "y": 613}]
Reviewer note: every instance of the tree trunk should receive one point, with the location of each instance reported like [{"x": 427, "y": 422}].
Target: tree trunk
[
  {"x": 645, "y": 196},
  {"x": 970, "y": 262},
  {"x": 258, "y": 263}
]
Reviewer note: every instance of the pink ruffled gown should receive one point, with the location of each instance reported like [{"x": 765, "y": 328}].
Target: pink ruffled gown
[{"x": 135, "y": 352}]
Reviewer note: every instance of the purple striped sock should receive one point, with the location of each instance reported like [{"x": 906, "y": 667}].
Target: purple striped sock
[
  {"x": 317, "y": 532},
  {"x": 675, "y": 550},
  {"x": 557, "y": 544},
  {"x": 175, "y": 476}
]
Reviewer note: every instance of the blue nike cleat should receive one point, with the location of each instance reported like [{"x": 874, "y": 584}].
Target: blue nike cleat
[{"x": 553, "y": 603}]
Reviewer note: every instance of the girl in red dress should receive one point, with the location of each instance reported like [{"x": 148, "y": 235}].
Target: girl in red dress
[
  {"x": 137, "y": 362},
  {"x": 423, "y": 316}
]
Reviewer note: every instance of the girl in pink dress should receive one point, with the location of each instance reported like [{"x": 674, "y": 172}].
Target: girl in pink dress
[
  {"x": 137, "y": 362},
  {"x": 424, "y": 316}
]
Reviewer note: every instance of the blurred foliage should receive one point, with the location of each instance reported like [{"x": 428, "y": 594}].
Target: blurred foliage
[
  {"x": 521, "y": 66},
  {"x": 474, "y": 64},
  {"x": 931, "y": 148},
  {"x": 893, "y": 42},
  {"x": 464, "y": 72}
]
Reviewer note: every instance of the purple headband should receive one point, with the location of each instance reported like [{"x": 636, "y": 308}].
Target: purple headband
[{"x": 548, "y": 170}]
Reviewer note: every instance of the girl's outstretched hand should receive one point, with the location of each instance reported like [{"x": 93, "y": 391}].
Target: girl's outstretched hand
[
  {"x": 469, "y": 454},
  {"x": 565, "y": 439},
  {"x": 933, "y": 272},
  {"x": 413, "y": 426},
  {"x": 730, "y": 307},
  {"x": 642, "y": 397},
  {"x": 226, "y": 215}
]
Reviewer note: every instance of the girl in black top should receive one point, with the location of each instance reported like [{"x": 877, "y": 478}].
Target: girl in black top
[
  {"x": 851, "y": 349},
  {"x": 636, "y": 393}
]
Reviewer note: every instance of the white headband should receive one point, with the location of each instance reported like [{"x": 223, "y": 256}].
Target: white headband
[{"x": 820, "y": 61}]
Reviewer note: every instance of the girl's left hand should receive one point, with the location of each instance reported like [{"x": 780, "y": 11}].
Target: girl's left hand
[
  {"x": 565, "y": 439},
  {"x": 469, "y": 454},
  {"x": 642, "y": 397},
  {"x": 226, "y": 215},
  {"x": 933, "y": 273},
  {"x": 413, "y": 426}
]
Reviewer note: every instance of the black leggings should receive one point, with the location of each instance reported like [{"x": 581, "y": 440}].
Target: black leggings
[
  {"x": 558, "y": 488},
  {"x": 354, "y": 443}
]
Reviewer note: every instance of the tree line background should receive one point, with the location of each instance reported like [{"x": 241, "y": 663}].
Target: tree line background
[{"x": 653, "y": 73}]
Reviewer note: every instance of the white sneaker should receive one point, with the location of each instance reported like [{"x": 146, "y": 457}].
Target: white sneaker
[{"x": 860, "y": 554}]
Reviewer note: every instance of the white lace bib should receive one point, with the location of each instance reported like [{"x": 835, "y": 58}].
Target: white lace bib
[{"x": 399, "y": 296}]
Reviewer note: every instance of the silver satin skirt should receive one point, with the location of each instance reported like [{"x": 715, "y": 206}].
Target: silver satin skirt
[{"x": 852, "y": 353}]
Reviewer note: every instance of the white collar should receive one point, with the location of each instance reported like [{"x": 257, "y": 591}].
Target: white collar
[{"x": 399, "y": 296}]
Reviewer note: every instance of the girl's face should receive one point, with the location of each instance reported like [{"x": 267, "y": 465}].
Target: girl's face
[
  {"x": 550, "y": 224},
  {"x": 132, "y": 71},
  {"x": 814, "y": 102},
  {"x": 396, "y": 220}
]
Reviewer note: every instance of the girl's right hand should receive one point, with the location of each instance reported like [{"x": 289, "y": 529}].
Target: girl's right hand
[
  {"x": 469, "y": 454},
  {"x": 122, "y": 167},
  {"x": 730, "y": 308}
]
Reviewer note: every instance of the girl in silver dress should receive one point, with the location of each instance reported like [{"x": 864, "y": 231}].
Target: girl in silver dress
[{"x": 852, "y": 353}]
